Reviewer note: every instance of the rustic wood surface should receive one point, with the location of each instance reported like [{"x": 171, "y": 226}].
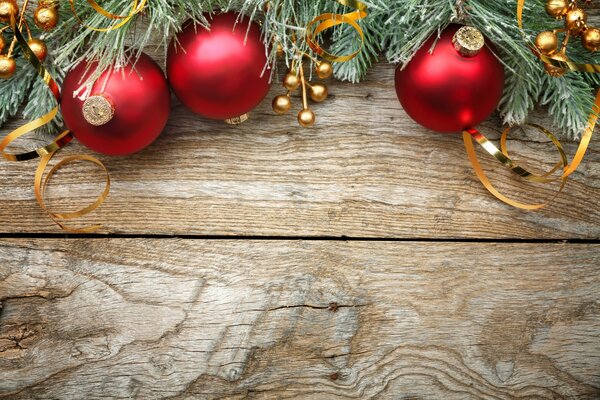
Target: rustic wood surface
[
  {"x": 471, "y": 300},
  {"x": 366, "y": 170},
  {"x": 183, "y": 319}
]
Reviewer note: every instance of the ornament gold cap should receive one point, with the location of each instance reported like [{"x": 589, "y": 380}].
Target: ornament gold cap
[
  {"x": 98, "y": 109},
  {"x": 468, "y": 41},
  {"x": 237, "y": 120}
]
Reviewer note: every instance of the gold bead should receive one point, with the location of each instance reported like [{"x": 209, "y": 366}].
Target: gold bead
[
  {"x": 324, "y": 69},
  {"x": 557, "y": 8},
  {"x": 291, "y": 81},
  {"x": 591, "y": 39},
  {"x": 8, "y": 66},
  {"x": 318, "y": 93},
  {"x": 576, "y": 21},
  {"x": 547, "y": 42},
  {"x": 280, "y": 50},
  {"x": 2, "y": 43},
  {"x": 281, "y": 104},
  {"x": 39, "y": 48},
  {"x": 45, "y": 17},
  {"x": 8, "y": 8},
  {"x": 306, "y": 118},
  {"x": 556, "y": 71}
]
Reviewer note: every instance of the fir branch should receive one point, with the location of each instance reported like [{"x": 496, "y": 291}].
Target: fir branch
[
  {"x": 14, "y": 91},
  {"x": 570, "y": 99},
  {"x": 41, "y": 100},
  {"x": 396, "y": 27},
  {"x": 410, "y": 23},
  {"x": 345, "y": 41}
]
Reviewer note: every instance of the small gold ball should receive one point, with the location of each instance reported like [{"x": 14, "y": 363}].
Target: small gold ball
[
  {"x": 547, "y": 42},
  {"x": 8, "y": 8},
  {"x": 291, "y": 81},
  {"x": 46, "y": 18},
  {"x": 324, "y": 69},
  {"x": 591, "y": 39},
  {"x": 318, "y": 93},
  {"x": 557, "y": 8},
  {"x": 2, "y": 43},
  {"x": 39, "y": 48},
  {"x": 8, "y": 66},
  {"x": 280, "y": 50},
  {"x": 553, "y": 71},
  {"x": 576, "y": 21},
  {"x": 306, "y": 118},
  {"x": 281, "y": 104}
]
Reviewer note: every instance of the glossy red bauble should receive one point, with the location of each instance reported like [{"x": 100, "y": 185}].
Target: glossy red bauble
[
  {"x": 219, "y": 73},
  {"x": 446, "y": 91},
  {"x": 140, "y": 99}
]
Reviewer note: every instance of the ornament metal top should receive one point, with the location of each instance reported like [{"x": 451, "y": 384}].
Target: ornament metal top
[
  {"x": 98, "y": 109},
  {"x": 576, "y": 25},
  {"x": 468, "y": 41}
]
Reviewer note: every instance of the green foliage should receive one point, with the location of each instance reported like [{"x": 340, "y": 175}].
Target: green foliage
[
  {"x": 394, "y": 28},
  {"x": 13, "y": 92}
]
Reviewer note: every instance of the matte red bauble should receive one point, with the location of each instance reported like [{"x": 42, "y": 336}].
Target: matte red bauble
[
  {"x": 220, "y": 73},
  {"x": 454, "y": 87},
  {"x": 125, "y": 111}
]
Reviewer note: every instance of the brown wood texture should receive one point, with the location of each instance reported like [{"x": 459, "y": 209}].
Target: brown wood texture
[
  {"x": 365, "y": 170},
  {"x": 183, "y": 319},
  {"x": 167, "y": 318}
]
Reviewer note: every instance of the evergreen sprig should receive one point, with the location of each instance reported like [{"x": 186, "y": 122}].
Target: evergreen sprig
[{"x": 394, "y": 28}]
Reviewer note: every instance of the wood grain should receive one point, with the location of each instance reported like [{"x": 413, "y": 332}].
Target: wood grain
[
  {"x": 366, "y": 170},
  {"x": 182, "y": 319}
]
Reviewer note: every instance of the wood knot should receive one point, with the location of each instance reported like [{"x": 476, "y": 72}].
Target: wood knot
[
  {"x": 333, "y": 306},
  {"x": 335, "y": 376},
  {"x": 19, "y": 338}
]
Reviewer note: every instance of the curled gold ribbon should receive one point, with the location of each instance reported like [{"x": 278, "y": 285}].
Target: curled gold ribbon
[
  {"x": 329, "y": 20},
  {"x": 62, "y": 139},
  {"x": 136, "y": 7},
  {"x": 47, "y": 152},
  {"x": 502, "y": 155},
  {"x": 41, "y": 185}
]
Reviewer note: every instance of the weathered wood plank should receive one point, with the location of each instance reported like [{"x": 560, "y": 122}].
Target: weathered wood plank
[
  {"x": 293, "y": 319},
  {"x": 366, "y": 170}
]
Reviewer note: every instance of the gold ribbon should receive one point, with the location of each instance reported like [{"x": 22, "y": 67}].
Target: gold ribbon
[
  {"x": 329, "y": 20},
  {"x": 47, "y": 152},
  {"x": 136, "y": 7},
  {"x": 502, "y": 155},
  {"x": 41, "y": 185}
]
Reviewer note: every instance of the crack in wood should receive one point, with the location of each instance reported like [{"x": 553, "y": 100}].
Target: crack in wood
[
  {"x": 333, "y": 307},
  {"x": 420, "y": 318}
]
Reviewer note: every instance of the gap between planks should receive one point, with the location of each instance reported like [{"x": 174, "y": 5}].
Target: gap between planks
[{"x": 292, "y": 238}]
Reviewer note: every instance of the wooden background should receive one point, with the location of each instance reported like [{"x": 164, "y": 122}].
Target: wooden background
[{"x": 357, "y": 259}]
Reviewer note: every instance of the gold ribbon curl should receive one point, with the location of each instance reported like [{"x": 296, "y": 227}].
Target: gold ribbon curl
[
  {"x": 502, "y": 154},
  {"x": 329, "y": 20},
  {"x": 47, "y": 152},
  {"x": 136, "y": 7}
]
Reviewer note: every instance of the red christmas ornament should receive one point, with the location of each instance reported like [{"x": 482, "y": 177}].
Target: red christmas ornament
[
  {"x": 125, "y": 111},
  {"x": 220, "y": 73},
  {"x": 456, "y": 86}
]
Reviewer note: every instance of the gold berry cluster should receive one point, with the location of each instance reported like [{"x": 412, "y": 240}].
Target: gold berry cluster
[
  {"x": 45, "y": 17},
  {"x": 294, "y": 79},
  {"x": 575, "y": 26}
]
